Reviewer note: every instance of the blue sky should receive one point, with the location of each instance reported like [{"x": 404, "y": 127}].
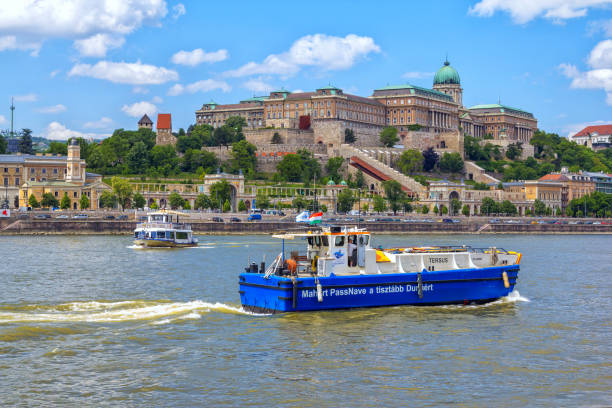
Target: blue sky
[{"x": 85, "y": 67}]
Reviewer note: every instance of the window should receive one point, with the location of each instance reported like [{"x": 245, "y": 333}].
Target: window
[
  {"x": 17, "y": 181},
  {"x": 339, "y": 241},
  {"x": 54, "y": 171},
  {"x": 31, "y": 170},
  {"x": 16, "y": 170},
  {"x": 74, "y": 194},
  {"x": 6, "y": 181},
  {"x": 6, "y": 169},
  {"x": 56, "y": 194}
]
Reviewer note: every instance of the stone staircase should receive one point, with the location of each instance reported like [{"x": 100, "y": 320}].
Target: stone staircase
[
  {"x": 408, "y": 183},
  {"x": 478, "y": 174}
]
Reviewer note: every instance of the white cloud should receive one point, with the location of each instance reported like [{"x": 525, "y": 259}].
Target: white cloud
[
  {"x": 103, "y": 123},
  {"x": 258, "y": 85},
  {"x": 418, "y": 75},
  {"x": 31, "y": 97},
  {"x": 57, "y": 131},
  {"x": 198, "y": 56},
  {"x": 523, "y": 11},
  {"x": 178, "y": 11},
  {"x": 138, "y": 109},
  {"x": 318, "y": 50},
  {"x": 601, "y": 55},
  {"x": 52, "y": 109},
  {"x": 53, "y": 74},
  {"x": 125, "y": 73},
  {"x": 97, "y": 45},
  {"x": 140, "y": 90},
  {"x": 573, "y": 128},
  {"x": 205, "y": 85},
  {"x": 33, "y": 21},
  {"x": 600, "y": 77},
  {"x": 2, "y": 119},
  {"x": 10, "y": 42},
  {"x": 157, "y": 99}
]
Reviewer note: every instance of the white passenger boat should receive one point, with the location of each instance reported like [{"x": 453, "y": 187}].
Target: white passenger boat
[{"x": 163, "y": 229}]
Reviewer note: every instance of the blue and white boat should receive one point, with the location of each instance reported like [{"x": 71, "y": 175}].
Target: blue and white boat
[
  {"x": 163, "y": 229},
  {"x": 341, "y": 269}
]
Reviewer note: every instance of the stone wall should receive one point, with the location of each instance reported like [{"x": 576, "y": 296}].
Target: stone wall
[
  {"x": 528, "y": 149},
  {"x": 330, "y": 132},
  {"x": 288, "y": 136},
  {"x": 165, "y": 137},
  {"x": 447, "y": 142}
]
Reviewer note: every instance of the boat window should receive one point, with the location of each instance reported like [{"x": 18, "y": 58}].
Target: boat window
[
  {"x": 340, "y": 241},
  {"x": 310, "y": 241},
  {"x": 324, "y": 241},
  {"x": 153, "y": 234},
  {"x": 366, "y": 239},
  {"x": 317, "y": 241},
  {"x": 171, "y": 235},
  {"x": 161, "y": 234},
  {"x": 181, "y": 235},
  {"x": 136, "y": 234}
]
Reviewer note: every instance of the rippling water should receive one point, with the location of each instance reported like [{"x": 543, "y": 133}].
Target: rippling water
[{"x": 92, "y": 321}]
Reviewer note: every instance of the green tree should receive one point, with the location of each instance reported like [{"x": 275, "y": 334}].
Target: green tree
[
  {"x": 261, "y": 200},
  {"x": 219, "y": 193},
  {"x": 488, "y": 206},
  {"x": 312, "y": 168},
  {"x": 514, "y": 150},
  {"x": 379, "y": 204},
  {"x": 33, "y": 202},
  {"x": 539, "y": 207},
  {"x": 333, "y": 167},
  {"x": 175, "y": 200},
  {"x": 465, "y": 210},
  {"x": 49, "y": 201},
  {"x": 425, "y": 209},
  {"x": 3, "y": 144},
  {"x": 443, "y": 210},
  {"x": 139, "y": 201},
  {"x": 138, "y": 158},
  {"x": 299, "y": 203},
  {"x": 360, "y": 179},
  {"x": 242, "y": 206},
  {"x": 451, "y": 162},
  {"x": 226, "y": 206},
  {"x": 291, "y": 168},
  {"x": 436, "y": 210},
  {"x": 58, "y": 148},
  {"x": 186, "y": 205},
  {"x": 430, "y": 159},
  {"x": 346, "y": 200},
  {"x": 276, "y": 138},
  {"x": 164, "y": 158},
  {"x": 65, "y": 203},
  {"x": 123, "y": 191},
  {"x": 410, "y": 161},
  {"x": 395, "y": 195},
  {"x": 84, "y": 202},
  {"x": 349, "y": 136},
  {"x": 508, "y": 208},
  {"x": 243, "y": 157},
  {"x": 455, "y": 206},
  {"x": 108, "y": 200},
  {"x": 154, "y": 206},
  {"x": 388, "y": 136},
  {"x": 202, "y": 202},
  {"x": 25, "y": 144}
]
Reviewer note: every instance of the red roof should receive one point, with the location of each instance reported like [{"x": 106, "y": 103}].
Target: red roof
[
  {"x": 164, "y": 121},
  {"x": 554, "y": 177},
  {"x": 601, "y": 130}
]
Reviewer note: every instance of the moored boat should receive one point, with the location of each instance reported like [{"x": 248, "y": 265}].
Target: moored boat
[
  {"x": 341, "y": 269},
  {"x": 163, "y": 229}
]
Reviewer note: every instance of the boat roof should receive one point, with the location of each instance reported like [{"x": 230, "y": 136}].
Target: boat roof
[
  {"x": 323, "y": 231},
  {"x": 166, "y": 212}
]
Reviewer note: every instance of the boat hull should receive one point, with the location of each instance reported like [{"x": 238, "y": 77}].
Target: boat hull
[
  {"x": 156, "y": 243},
  {"x": 463, "y": 286}
]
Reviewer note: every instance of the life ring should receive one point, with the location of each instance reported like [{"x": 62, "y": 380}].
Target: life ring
[
  {"x": 291, "y": 265},
  {"x": 314, "y": 263}
]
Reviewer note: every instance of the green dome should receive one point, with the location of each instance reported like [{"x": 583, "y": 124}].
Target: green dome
[
  {"x": 343, "y": 183},
  {"x": 331, "y": 182},
  {"x": 446, "y": 75}
]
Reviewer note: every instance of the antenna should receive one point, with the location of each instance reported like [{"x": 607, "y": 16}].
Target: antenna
[{"x": 12, "y": 110}]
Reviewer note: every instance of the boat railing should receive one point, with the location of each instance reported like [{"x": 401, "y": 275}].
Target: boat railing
[{"x": 167, "y": 225}]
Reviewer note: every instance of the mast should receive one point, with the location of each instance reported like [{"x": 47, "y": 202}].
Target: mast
[{"x": 12, "y": 110}]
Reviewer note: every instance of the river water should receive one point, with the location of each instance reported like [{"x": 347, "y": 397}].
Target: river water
[{"x": 92, "y": 321}]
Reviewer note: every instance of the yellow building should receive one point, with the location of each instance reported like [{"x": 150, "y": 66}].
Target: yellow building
[
  {"x": 75, "y": 182},
  {"x": 549, "y": 192}
]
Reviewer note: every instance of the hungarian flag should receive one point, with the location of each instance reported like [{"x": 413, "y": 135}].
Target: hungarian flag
[{"x": 315, "y": 218}]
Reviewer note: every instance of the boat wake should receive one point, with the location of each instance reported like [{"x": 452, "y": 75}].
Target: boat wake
[
  {"x": 159, "y": 312},
  {"x": 513, "y": 297}
]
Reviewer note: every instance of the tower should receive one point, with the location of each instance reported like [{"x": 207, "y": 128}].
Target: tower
[
  {"x": 12, "y": 111},
  {"x": 145, "y": 122},
  {"x": 447, "y": 81},
  {"x": 74, "y": 173},
  {"x": 164, "y": 130}
]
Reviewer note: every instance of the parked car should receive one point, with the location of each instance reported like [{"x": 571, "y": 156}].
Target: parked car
[
  {"x": 234, "y": 219},
  {"x": 61, "y": 216},
  {"x": 218, "y": 219},
  {"x": 447, "y": 220},
  {"x": 80, "y": 217},
  {"x": 254, "y": 217},
  {"x": 23, "y": 217},
  {"x": 494, "y": 221},
  {"x": 109, "y": 217},
  {"x": 122, "y": 217},
  {"x": 42, "y": 216}
]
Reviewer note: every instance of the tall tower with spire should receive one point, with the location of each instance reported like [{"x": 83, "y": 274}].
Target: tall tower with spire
[
  {"x": 12, "y": 110},
  {"x": 447, "y": 81}
]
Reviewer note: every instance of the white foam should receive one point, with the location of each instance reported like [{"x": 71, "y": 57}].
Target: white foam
[
  {"x": 513, "y": 297},
  {"x": 118, "y": 311}
]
